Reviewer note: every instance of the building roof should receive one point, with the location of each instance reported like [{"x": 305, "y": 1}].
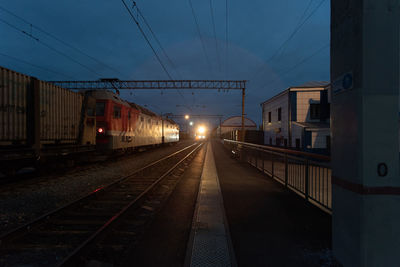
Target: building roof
[
  {"x": 307, "y": 85},
  {"x": 314, "y": 84},
  {"x": 313, "y": 125},
  {"x": 236, "y": 121}
]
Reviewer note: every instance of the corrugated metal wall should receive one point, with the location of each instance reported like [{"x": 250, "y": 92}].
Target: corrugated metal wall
[{"x": 60, "y": 109}]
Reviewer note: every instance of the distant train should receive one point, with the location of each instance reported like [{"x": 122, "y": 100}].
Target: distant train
[{"x": 40, "y": 121}]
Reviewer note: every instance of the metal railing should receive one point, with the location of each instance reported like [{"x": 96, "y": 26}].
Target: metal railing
[{"x": 305, "y": 173}]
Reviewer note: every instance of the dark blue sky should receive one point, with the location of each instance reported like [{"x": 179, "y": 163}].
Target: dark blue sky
[{"x": 104, "y": 30}]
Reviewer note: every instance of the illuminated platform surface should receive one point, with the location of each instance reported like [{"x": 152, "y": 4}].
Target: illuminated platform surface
[{"x": 227, "y": 213}]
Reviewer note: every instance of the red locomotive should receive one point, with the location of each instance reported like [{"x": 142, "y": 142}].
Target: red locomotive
[{"x": 123, "y": 125}]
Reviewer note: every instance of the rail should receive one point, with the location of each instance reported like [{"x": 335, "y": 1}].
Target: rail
[{"x": 307, "y": 174}]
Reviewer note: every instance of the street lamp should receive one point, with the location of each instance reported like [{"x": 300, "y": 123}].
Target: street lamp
[
  {"x": 187, "y": 117},
  {"x": 191, "y": 123}
]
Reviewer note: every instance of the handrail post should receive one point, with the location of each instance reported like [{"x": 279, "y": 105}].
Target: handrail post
[
  {"x": 257, "y": 152},
  {"x": 306, "y": 180},
  {"x": 286, "y": 170},
  {"x": 263, "y": 160},
  {"x": 272, "y": 165}
]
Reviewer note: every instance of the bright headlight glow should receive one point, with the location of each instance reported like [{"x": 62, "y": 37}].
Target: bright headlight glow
[{"x": 201, "y": 130}]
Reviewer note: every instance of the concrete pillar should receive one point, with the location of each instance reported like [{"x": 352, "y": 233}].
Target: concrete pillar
[{"x": 365, "y": 131}]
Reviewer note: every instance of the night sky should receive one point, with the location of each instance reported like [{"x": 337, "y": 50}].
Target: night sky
[{"x": 272, "y": 44}]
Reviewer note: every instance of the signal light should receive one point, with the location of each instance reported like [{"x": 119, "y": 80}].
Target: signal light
[{"x": 100, "y": 130}]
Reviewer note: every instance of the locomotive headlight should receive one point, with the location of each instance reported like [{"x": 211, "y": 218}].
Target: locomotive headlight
[{"x": 201, "y": 130}]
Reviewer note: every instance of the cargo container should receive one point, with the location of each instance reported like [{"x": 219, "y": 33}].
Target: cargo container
[{"x": 37, "y": 117}]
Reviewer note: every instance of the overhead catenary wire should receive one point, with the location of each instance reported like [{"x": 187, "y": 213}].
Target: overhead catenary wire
[
  {"x": 295, "y": 30},
  {"x": 149, "y": 43},
  {"x": 155, "y": 38},
  {"x": 60, "y": 41},
  {"x": 215, "y": 35},
  {"x": 200, "y": 35},
  {"x": 50, "y": 47},
  {"x": 37, "y": 66},
  {"x": 304, "y": 60}
]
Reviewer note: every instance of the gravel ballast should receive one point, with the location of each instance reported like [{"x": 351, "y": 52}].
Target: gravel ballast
[{"x": 26, "y": 200}]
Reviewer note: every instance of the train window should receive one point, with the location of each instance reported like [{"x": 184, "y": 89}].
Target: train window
[
  {"x": 100, "y": 107},
  {"x": 117, "y": 112},
  {"x": 129, "y": 115}
]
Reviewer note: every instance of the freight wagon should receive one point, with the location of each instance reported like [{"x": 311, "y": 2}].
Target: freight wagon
[{"x": 39, "y": 120}]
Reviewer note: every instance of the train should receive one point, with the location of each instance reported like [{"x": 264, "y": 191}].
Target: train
[{"x": 41, "y": 122}]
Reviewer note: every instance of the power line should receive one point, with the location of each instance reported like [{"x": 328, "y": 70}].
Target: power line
[
  {"x": 199, "y": 33},
  {"x": 215, "y": 34},
  {"x": 149, "y": 43},
  {"x": 299, "y": 63},
  {"x": 296, "y": 29},
  {"x": 48, "y": 46},
  {"x": 36, "y": 66},
  {"x": 155, "y": 38},
  {"x": 226, "y": 39},
  {"x": 61, "y": 41},
  {"x": 147, "y": 40}
]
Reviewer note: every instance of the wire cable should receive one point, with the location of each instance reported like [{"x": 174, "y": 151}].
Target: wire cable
[
  {"x": 151, "y": 46},
  {"x": 48, "y": 46},
  {"x": 298, "y": 64},
  {"x": 296, "y": 29},
  {"x": 200, "y": 35},
  {"x": 215, "y": 35},
  {"x": 61, "y": 41},
  {"x": 155, "y": 38},
  {"x": 36, "y": 66}
]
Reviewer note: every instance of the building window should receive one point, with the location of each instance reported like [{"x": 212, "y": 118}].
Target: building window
[
  {"x": 141, "y": 119},
  {"x": 117, "y": 112},
  {"x": 270, "y": 141},
  {"x": 269, "y": 116},
  {"x": 279, "y": 114},
  {"x": 315, "y": 111},
  {"x": 297, "y": 143},
  {"x": 100, "y": 107},
  {"x": 129, "y": 114}
]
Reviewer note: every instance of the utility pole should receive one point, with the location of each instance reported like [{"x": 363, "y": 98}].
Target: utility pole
[{"x": 243, "y": 96}]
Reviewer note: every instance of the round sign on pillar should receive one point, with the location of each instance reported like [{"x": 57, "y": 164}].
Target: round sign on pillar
[{"x": 347, "y": 81}]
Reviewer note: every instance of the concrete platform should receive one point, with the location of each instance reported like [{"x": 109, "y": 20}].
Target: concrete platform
[
  {"x": 269, "y": 224},
  {"x": 234, "y": 215}
]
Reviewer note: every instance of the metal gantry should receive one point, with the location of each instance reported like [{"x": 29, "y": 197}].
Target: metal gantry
[{"x": 113, "y": 83}]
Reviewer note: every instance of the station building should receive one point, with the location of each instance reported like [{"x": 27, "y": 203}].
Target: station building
[{"x": 299, "y": 117}]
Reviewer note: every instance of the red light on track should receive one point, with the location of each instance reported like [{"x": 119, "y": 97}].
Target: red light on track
[{"x": 100, "y": 130}]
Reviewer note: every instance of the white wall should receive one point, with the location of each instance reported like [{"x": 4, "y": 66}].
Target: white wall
[
  {"x": 318, "y": 138},
  {"x": 303, "y": 105},
  {"x": 297, "y": 132},
  {"x": 270, "y": 128}
]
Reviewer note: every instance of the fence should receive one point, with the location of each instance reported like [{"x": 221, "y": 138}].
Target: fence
[{"x": 307, "y": 174}]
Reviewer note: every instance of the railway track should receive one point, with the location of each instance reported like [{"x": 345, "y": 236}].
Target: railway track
[{"x": 62, "y": 236}]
